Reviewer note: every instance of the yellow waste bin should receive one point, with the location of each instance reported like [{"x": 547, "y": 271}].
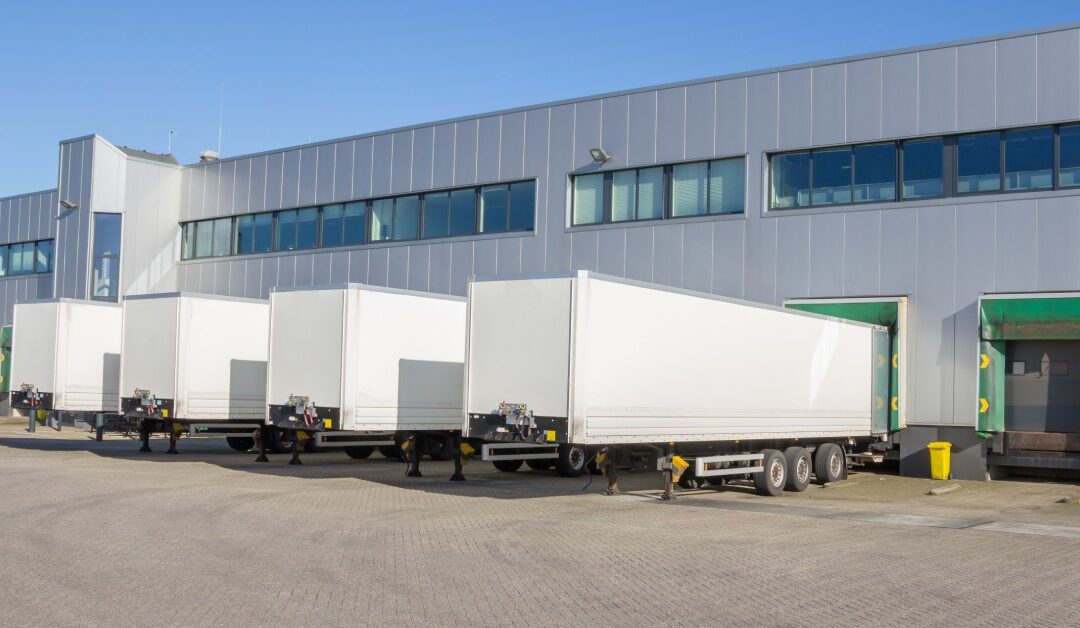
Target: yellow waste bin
[{"x": 939, "y": 460}]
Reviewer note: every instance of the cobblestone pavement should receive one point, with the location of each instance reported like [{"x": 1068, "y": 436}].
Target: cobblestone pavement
[{"x": 96, "y": 533}]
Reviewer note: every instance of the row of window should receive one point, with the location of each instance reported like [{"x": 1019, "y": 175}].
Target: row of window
[
  {"x": 24, "y": 258},
  {"x": 1041, "y": 158},
  {"x": 460, "y": 212},
  {"x": 672, "y": 191}
]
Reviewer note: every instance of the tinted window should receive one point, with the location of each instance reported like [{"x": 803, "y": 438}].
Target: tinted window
[
  {"x": 187, "y": 241},
  {"x": 727, "y": 183},
  {"x": 105, "y": 263},
  {"x": 286, "y": 231},
  {"x": 522, "y": 206},
  {"x": 688, "y": 189},
  {"x": 588, "y": 199},
  {"x": 978, "y": 163},
  {"x": 494, "y": 203},
  {"x": 1029, "y": 159},
  {"x": 875, "y": 173},
  {"x": 462, "y": 212},
  {"x": 1069, "y": 155},
  {"x": 204, "y": 238},
  {"x": 264, "y": 232},
  {"x": 21, "y": 259},
  {"x": 831, "y": 177},
  {"x": 624, "y": 195},
  {"x": 790, "y": 180},
  {"x": 406, "y": 218},
  {"x": 382, "y": 219},
  {"x": 222, "y": 236},
  {"x": 436, "y": 215},
  {"x": 332, "y": 224},
  {"x": 650, "y": 193},
  {"x": 307, "y": 228},
  {"x": 922, "y": 168},
  {"x": 3, "y": 260},
  {"x": 43, "y": 256},
  {"x": 245, "y": 232},
  {"x": 355, "y": 219}
]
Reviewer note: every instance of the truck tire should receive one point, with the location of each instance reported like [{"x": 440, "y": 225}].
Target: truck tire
[
  {"x": 540, "y": 464},
  {"x": 438, "y": 448},
  {"x": 281, "y": 442},
  {"x": 508, "y": 466},
  {"x": 829, "y": 463},
  {"x": 573, "y": 460},
  {"x": 359, "y": 453},
  {"x": 800, "y": 468},
  {"x": 392, "y": 452},
  {"x": 690, "y": 481},
  {"x": 240, "y": 443},
  {"x": 772, "y": 480}
]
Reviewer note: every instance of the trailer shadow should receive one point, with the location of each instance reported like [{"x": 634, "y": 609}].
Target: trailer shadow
[{"x": 482, "y": 479}]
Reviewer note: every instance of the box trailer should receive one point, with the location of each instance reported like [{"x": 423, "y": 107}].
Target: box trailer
[
  {"x": 360, "y": 366},
  {"x": 65, "y": 360},
  {"x": 590, "y": 363},
  {"x": 195, "y": 363}
]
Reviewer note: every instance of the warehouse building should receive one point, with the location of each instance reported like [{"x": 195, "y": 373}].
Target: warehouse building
[{"x": 934, "y": 190}]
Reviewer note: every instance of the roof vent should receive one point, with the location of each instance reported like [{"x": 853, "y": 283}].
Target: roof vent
[{"x": 208, "y": 155}]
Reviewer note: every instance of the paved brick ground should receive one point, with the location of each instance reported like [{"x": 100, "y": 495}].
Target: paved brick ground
[{"x": 95, "y": 533}]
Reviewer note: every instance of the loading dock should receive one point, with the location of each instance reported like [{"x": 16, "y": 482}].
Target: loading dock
[{"x": 1029, "y": 371}]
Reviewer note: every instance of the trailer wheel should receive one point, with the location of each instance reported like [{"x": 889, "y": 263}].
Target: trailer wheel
[
  {"x": 829, "y": 463},
  {"x": 690, "y": 481},
  {"x": 358, "y": 453},
  {"x": 573, "y": 460},
  {"x": 508, "y": 466},
  {"x": 393, "y": 452},
  {"x": 540, "y": 464},
  {"x": 799, "y": 468},
  {"x": 281, "y": 441},
  {"x": 438, "y": 448},
  {"x": 771, "y": 481},
  {"x": 240, "y": 443}
]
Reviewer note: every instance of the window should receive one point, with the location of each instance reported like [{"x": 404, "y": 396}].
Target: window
[
  {"x": 727, "y": 186},
  {"x": 406, "y": 217},
  {"x": 105, "y": 266},
  {"x": 187, "y": 241},
  {"x": 522, "y": 206},
  {"x": 436, "y": 215},
  {"x": 978, "y": 163},
  {"x": 923, "y": 160},
  {"x": 3, "y": 260},
  {"x": 1029, "y": 159},
  {"x": 1069, "y": 155},
  {"x": 637, "y": 194},
  {"x": 875, "y": 173},
  {"x": 21, "y": 260},
  {"x": 382, "y": 219},
  {"x": 222, "y": 236},
  {"x": 43, "y": 256},
  {"x": 263, "y": 236},
  {"x": 790, "y": 180},
  {"x": 831, "y": 176},
  {"x": 307, "y": 228},
  {"x": 689, "y": 183},
  {"x": 333, "y": 223},
  {"x": 494, "y": 208},
  {"x": 204, "y": 238},
  {"x": 354, "y": 222},
  {"x": 588, "y": 200},
  {"x": 245, "y": 234},
  {"x": 286, "y": 231}
]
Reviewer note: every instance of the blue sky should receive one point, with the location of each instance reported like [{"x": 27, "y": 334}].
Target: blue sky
[{"x": 295, "y": 72}]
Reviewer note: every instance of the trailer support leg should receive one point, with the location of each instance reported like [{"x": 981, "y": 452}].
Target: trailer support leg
[
  {"x": 144, "y": 435},
  {"x": 261, "y": 437},
  {"x": 612, "y": 471},
  {"x": 295, "y": 450},
  {"x": 59, "y": 421},
  {"x": 99, "y": 427},
  {"x": 32, "y": 426},
  {"x": 669, "y": 480},
  {"x": 172, "y": 438},
  {"x": 414, "y": 463},
  {"x": 455, "y": 443}
]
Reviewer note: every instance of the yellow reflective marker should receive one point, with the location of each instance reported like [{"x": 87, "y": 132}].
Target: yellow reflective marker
[
  {"x": 984, "y": 405},
  {"x": 549, "y": 435},
  {"x": 895, "y": 360},
  {"x": 895, "y": 403},
  {"x": 164, "y": 413},
  {"x": 328, "y": 423},
  {"x": 984, "y": 360}
]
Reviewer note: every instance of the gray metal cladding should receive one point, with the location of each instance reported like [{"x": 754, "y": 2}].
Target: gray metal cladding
[{"x": 941, "y": 254}]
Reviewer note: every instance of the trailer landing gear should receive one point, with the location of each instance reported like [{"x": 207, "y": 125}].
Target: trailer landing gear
[
  {"x": 456, "y": 454},
  {"x": 144, "y": 435},
  {"x": 174, "y": 434},
  {"x": 414, "y": 451},
  {"x": 605, "y": 461}
]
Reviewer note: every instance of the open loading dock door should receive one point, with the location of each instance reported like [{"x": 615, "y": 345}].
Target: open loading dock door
[
  {"x": 890, "y": 312},
  {"x": 1029, "y": 378}
]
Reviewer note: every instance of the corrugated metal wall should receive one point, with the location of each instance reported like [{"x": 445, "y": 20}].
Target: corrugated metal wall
[{"x": 24, "y": 218}]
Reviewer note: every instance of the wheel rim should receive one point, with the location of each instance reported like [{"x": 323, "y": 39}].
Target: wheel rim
[
  {"x": 802, "y": 470},
  {"x": 576, "y": 457},
  {"x": 835, "y": 463},
  {"x": 776, "y": 473}
]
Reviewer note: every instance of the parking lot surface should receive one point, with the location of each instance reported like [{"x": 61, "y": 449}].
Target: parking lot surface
[{"x": 97, "y": 533}]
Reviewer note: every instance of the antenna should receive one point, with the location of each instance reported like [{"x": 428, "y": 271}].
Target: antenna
[{"x": 221, "y": 115}]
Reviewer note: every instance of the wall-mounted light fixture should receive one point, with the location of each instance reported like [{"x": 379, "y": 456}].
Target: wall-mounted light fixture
[
  {"x": 599, "y": 155},
  {"x": 66, "y": 204}
]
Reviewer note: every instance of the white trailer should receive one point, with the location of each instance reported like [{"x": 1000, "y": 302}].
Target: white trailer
[
  {"x": 195, "y": 363},
  {"x": 587, "y": 363},
  {"x": 65, "y": 359},
  {"x": 359, "y": 366}
]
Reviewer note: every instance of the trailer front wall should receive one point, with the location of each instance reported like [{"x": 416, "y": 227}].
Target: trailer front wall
[
  {"x": 149, "y": 354},
  {"x": 652, "y": 366},
  {"x": 33, "y": 349},
  {"x": 307, "y": 342},
  {"x": 88, "y": 357}
]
